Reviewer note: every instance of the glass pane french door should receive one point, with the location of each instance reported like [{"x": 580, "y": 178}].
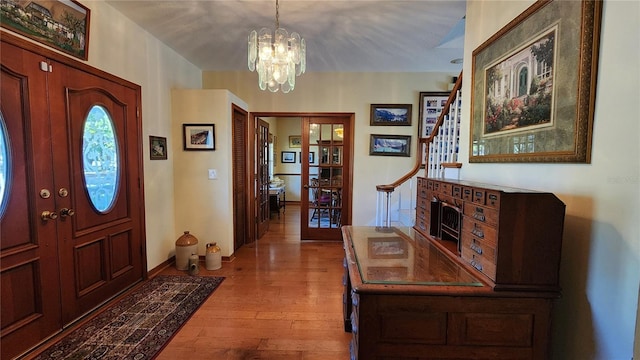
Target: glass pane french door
[{"x": 324, "y": 172}]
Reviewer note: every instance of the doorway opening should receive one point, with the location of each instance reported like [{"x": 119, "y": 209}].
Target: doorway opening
[{"x": 298, "y": 173}]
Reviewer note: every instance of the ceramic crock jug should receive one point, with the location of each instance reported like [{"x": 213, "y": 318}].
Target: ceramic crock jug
[
  {"x": 186, "y": 245},
  {"x": 194, "y": 266},
  {"x": 213, "y": 257}
]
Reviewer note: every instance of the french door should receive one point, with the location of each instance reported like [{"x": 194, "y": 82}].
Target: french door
[
  {"x": 71, "y": 206},
  {"x": 326, "y": 177}
]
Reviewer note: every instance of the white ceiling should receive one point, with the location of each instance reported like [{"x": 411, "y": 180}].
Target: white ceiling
[{"x": 352, "y": 36}]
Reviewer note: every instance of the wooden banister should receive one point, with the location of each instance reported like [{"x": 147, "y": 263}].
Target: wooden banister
[{"x": 420, "y": 155}]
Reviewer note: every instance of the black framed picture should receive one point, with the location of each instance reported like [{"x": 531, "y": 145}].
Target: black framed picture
[
  {"x": 390, "y": 114},
  {"x": 390, "y": 145},
  {"x": 199, "y": 136},
  {"x": 157, "y": 148},
  {"x": 288, "y": 157}
]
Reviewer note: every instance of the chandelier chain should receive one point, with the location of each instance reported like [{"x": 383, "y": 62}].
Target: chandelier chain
[{"x": 277, "y": 15}]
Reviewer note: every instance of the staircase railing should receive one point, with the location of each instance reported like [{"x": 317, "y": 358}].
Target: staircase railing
[{"x": 437, "y": 152}]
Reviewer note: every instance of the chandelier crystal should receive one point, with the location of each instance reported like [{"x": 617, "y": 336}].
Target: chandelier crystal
[{"x": 278, "y": 62}]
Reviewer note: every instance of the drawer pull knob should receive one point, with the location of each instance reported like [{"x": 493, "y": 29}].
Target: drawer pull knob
[
  {"x": 478, "y": 216},
  {"x": 354, "y": 298},
  {"x": 476, "y": 265},
  {"x": 476, "y": 248},
  {"x": 477, "y": 232}
]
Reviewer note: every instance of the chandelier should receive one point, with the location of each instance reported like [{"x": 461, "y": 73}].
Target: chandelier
[{"x": 278, "y": 62}]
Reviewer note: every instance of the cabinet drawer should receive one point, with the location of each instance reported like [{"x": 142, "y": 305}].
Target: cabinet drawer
[
  {"x": 423, "y": 203},
  {"x": 482, "y": 232},
  {"x": 479, "y": 262},
  {"x": 421, "y": 223},
  {"x": 456, "y": 191},
  {"x": 478, "y": 247},
  {"x": 445, "y": 188},
  {"x": 430, "y": 184},
  {"x": 493, "y": 199},
  {"x": 479, "y": 196},
  {"x": 481, "y": 214},
  {"x": 467, "y": 193}
]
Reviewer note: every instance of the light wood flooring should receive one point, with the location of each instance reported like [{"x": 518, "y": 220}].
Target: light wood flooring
[{"x": 281, "y": 299}]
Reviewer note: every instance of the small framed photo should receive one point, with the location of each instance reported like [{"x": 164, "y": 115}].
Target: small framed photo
[
  {"x": 199, "y": 136},
  {"x": 158, "y": 148},
  {"x": 390, "y": 145},
  {"x": 395, "y": 115},
  {"x": 288, "y": 157},
  {"x": 295, "y": 141}
]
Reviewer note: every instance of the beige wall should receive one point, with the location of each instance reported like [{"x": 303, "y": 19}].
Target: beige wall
[
  {"x": 600, "y": 269},
  {"x": 346, "y": 93},
  {"x": 290, "y": 173},
  {"x": 203, "y": 206}
]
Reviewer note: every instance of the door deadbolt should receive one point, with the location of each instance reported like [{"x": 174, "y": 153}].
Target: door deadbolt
[
  {"x": 64, "y": 212},
  {"x": 45, "y": 193},
  {"x": 49, "y": 215}
]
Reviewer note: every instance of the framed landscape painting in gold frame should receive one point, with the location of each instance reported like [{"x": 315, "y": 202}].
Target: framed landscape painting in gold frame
[{"x": 533, "y": 86}]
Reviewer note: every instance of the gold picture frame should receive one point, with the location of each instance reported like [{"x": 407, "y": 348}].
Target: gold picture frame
[
  {"x": 533, "y": 86},
  {"x": 295, "y": 141},
  {"x": 62, "y": 25}
]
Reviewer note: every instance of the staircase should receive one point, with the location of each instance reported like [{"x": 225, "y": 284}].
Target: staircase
[{"x": 396, "y": 202}]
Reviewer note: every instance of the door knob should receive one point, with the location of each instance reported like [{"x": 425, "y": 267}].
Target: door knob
[
  {"x": 48, "y": 215},
  {"x": 64, "y": 212}
]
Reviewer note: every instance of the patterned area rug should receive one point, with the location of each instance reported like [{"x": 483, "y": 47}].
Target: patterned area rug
[{"x": 140, "y": 324}]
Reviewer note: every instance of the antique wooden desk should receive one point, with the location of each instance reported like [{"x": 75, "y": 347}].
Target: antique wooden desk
[
  {"x": 405, "y": 298},
  {"x": 474, "y": 279}
]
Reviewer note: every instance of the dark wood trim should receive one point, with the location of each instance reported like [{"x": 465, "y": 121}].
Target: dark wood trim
[{"x": 73, "y": 62}]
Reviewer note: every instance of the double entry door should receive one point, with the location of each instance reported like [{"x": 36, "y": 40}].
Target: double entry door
[{"x": 71, "y": 203}]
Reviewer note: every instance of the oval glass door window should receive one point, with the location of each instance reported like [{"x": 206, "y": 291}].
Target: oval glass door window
[
  {"x": 100, "y": 159},
  {"x": 4, "y": 166}
]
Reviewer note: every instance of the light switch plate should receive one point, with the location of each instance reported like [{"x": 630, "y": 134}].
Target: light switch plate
[{"x": 213, "y": 174}]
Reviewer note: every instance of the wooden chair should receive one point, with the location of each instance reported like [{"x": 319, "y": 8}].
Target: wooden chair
[{"x": 321, "y": 199}]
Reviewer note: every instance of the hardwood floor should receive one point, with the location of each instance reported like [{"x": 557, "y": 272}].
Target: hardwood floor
[{"x": 281, "y": 299}]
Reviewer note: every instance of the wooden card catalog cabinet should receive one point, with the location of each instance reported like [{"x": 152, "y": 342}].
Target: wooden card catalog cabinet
[{"x": 511, "y": 236}]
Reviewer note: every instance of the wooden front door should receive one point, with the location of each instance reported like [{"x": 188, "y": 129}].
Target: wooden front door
[
  {"x": 29, "y": 276},
  {"x": 73, "y": 228},
  {"x": 96, "y": 158}
]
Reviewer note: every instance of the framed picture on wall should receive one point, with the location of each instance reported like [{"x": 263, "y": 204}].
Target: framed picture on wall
[
  {"x": 533, "y": 86},
  {"x": 390, "y": 145},
  {"x": 288, "y": 157},
  {"x": 431, "y": 105},
  {"x": 66, "y": 28},
  {"x": 158, "y": 148},
  {"x": 295, "y": 141},
  {"x": 199, "y": 136},
  {"x": 390, "y": 114}
]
